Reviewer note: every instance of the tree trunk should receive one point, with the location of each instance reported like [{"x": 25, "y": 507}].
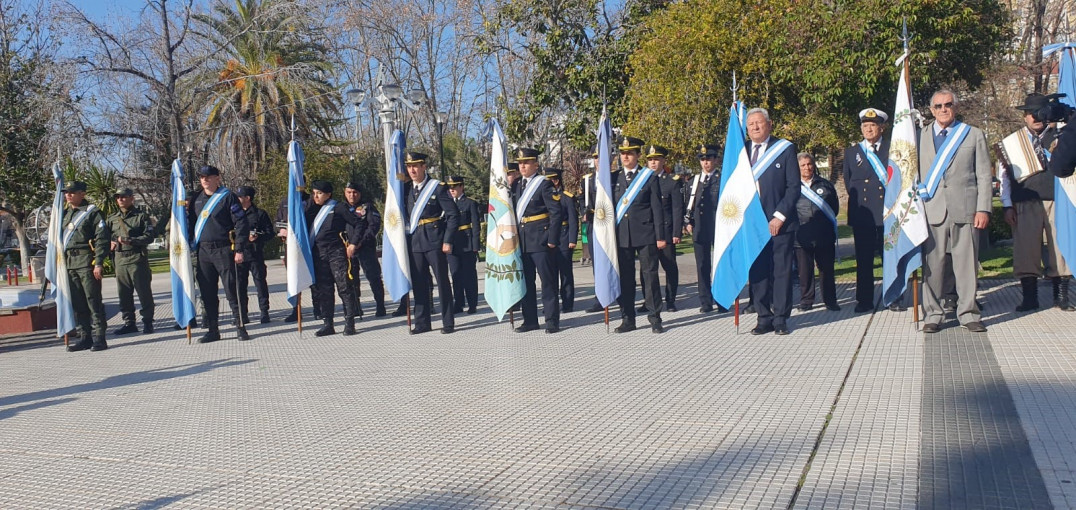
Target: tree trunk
[{"x": 24, "y": 245}]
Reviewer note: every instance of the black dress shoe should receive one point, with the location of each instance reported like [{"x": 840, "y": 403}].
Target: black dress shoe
[
  {"x": 380, "y": 312},
  {"x": 863, "y": 307},
  {"x": 805, "y": 307},
  {"x": 552, "y": 328},
  {"x": 833, "y": 307},
  {"x": 326, "y": 330},
  {"x": 721, "y": 309},
  {"x": 706, "y": 309},
  {"x": 948, "y": 306},
  {"x": 420, "y": 330},
  {"x": 671, "y": 307},
  {"x": 595, "y": 308},
  {"x": 780, "y": 330},
  {"x": 79, "y": 346},
  {"x": 748, "y": 309},
  {"x": 931, "y": 328},
  {"x": 292, "y": 317},
  {"x": 457, "y": 310},
  {"x": 400, "y": 312},
  {"x": 127, "y": 328},
  {"x": 897, "y": 307},
  {"x": 526, "y": 327},
  {"x": 567, "y": 309},
  {"x": 243, "y": 335},
  {"x": 471, "y": 310},
  {"x": 762, "y": 330},
  {"x": 656, "y": 328},
  {"x": 624, "y": 327},
  {"x": 265, "y": 319},
  {"x": 642, "y": 309},
  {"x": 974, "y": 327},
  {"x": 447, "y": 329},
  {"x": 147, "y": 326},
  {"x": 210, "y": 336}
]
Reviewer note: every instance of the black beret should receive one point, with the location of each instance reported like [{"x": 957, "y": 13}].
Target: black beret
[
  {"x": 208, "y": 170},
  {"x": 322, "y": 186},
  {"x": 354, "y": 185}
]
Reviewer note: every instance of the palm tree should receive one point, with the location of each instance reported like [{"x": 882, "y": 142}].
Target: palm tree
[{"x": 267, "y": 72}]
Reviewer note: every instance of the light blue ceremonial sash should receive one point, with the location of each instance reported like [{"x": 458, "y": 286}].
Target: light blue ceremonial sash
[
  {"x": 817, "y": 200},
  {"x": 771, "y": 154},
  {"x": 207, "y": 211},
  {"x": 957, "y": 133},
  {"x": 75, "y": 222},
  {"x": 324, "y": 213},
  {"x": 633, "y": 192},
  {"x": 528, "y": 194},
  {"x": 876, "y": 164},
  {"x": 420, "y": 204}
]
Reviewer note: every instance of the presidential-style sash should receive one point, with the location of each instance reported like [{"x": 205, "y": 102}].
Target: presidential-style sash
[
  {"x": 876, "y": 163},
  {"x": 528, "y": 194},
  {"x": 633, "y": 191},
  {"x": 319, "y": 220},
  {"x": 771, "y": 154},
  {"x": 76, "y": 222},
  {"x": 420, "y": 203},
  {"x": 818, "y": 201},
  {"x": 943, "y": 158},
  {"x": 207, "y": 211}
]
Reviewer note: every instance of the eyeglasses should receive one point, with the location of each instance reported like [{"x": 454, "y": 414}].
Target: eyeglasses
[{"x": 939, "y": 106}]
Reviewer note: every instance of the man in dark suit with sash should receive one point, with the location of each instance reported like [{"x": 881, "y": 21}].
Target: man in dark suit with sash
[
  {"x": 672, "y": 204},
  {"x": 954, "y": 168},
  {"x": 640, "y": 233},
  {"x": 701, "y": 219},
  {"x": 465, "y": 247},
  {"x": 866, "y": 175},
  {"x": 539, "y": 214},
  {"x": 432, "y": 221},
  {"x": 776, "y": 170}
]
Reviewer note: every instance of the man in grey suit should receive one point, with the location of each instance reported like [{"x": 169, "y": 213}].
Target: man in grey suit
[{"x": 956, "y": 190}]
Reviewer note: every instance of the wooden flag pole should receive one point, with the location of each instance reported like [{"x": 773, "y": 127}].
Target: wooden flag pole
[
  {"x": 65, "y": 340},
  {"x": 607, "y": 320},
  {"x": 512, "y": 317},
  {"x": 736, "y": 315},
  {"x": 188, "y": 333}
]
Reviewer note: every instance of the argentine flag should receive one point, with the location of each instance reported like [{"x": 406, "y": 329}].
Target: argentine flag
[
  {"x": 606, "y": 268},
  {"x": 299, "y": 256},
  {"x": 179, "y": 251},
  {"x": 905, "y": 225},
  {"x": 1065, "y": 189},
  {"x": 394, "y": 259},
  {"x": 504, "y": 262},
  {"x": 740, "y": 230},
  {"x": 55, "y": 265}
]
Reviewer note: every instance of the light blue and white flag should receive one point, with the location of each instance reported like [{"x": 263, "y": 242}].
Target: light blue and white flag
[
  {"x": 179, "y": 251},
  {"x": 504, "y": 258},
  {"x": 55, "y": 265},
  {"x": 300, "y": 257},
  {"x": 1065, "y": 189},
  {"x": 603, "y": 239},
  {"x": 741, "y": 230},
  {"x": 394, "y": 258},
  {"x": 905, "y": 225}
]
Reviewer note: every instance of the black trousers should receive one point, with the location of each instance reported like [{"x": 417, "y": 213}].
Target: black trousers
[
  {"x": 372, "y": 269},
  {"x": 463, "y": 267},
  {"x": 808, "y": 255},
  {"x": 543, "y": 263},
  {"x": 421, "y": 264},
  {"x": 567, "y": 278},
  {"x": 330, "y": 268},
  {"x": 256, "y": 269},
  {"x": 704, "y": 268},
  {"x": 648, "y": 261},
  {"x": 771, "y": 281},
  {"x": 216, "y": 263},
  {"x": 667, "y": 261},
  {"x": 868, "y": 242}
]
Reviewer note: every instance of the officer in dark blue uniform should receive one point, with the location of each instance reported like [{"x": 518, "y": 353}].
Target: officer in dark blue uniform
[
  {"x": 463, "y": 260},
  {"x": 866, "y": 199},
  {"x": 640, "y": 233},
  {"x": 538, "y": 210},
  {"x": 365, "y": 256},
  {"x": 328, "y": 221},
  {"x": 672, "y": 203},
  {"x": 569, "y": 234},
  {"x": 433, "y": 218},
  {"x": 261, "y": 230},
  {"x": 219, "y": 233},
  {"x": 701, "y": 218},
  {"x": 779, "y": 189}
]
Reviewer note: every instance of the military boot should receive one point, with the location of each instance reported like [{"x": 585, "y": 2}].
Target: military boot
[
  {"x": 242, "y": 332},
  {"x": 349, "y": 326},
  {"x": 327, "y": 329},
  {"x": 99, "y": 343},
  {"x": 211, "y": 336},
  {"x": 1061, "y": 293},
  {"x": 292, "y": 317},
  {"x": 147, "y": 326},
  {"x": 1029, "y": 287},
  {"x": 128, "y": 327},
  {"x": 80, "y": 341}
]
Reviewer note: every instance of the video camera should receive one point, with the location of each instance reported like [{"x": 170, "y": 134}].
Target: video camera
[{"x": 1054, "y": 111}]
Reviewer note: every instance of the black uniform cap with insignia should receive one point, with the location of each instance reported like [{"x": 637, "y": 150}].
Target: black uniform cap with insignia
[
  {"x": 322, "y": 186},
  {"x": 873, "y": 115},
  {"x": 125, "y": 192},
  {"x": 454, "y": 180},
  {"x": 414, "y": 158},
  {"x": 553, "y": 173},
  {"x": 630, "y": 143},
  {"x": 656, "y": 151},
  {"x": 513, "y": 167},
  {"x": 708, "y": 151},
  {"x": 354, "y": 185},
  {"x": 75, "y": 186},
  {"x": 245, "y": 191},
  {"x": 526, "y": 154},
  {"x": 208, "y": 170}
]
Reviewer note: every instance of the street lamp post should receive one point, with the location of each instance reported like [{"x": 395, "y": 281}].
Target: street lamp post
[
  {"x": 441, "y": 117},
  {"x": 357, "y": 97}
]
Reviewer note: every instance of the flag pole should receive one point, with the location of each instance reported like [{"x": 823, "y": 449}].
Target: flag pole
[
  {"x": 299, "y": 312},
  {"x": 736, "y": 306},
  {"x": 915, "y": 298},
  {"x": 736, "y": 315},
  {"x": 607, "y": 320},
  {"x": 407, "y": 303},
  {"x": 512, "y": 317},
  {"x": 188, "y": 333}
]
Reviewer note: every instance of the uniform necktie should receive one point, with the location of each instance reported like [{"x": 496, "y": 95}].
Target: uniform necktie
[
  {"x": 754, "y": 153},
  {"x": 944, "y": 133},
  {"x": 630, "y": 175},
  {"x": 874, "y": 148}
]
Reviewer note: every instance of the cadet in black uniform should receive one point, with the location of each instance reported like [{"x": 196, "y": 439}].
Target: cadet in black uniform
[
  {"x": 432, "y": 226},
  {"x": 328, "y": 221},
  {"x": 701, "y": 218},
  {"x": 463, "y": 260},
  {"x": 85, "y": 245},
  {"x": 366, "y": 245},
  {"x": 640, "y": 233},
  {"x": 539, "y": 213},
  {"x": 865, "y": 177},
  {"x": 219, "y": 233},
  {"x": 672, "y": 202},
  {"x": 261, "y": 229},
  {"x": 569, "y": 234}
]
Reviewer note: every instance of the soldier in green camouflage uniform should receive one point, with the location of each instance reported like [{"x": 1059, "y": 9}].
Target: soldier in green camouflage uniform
[
  {"x": 85, "y": 239},
  {"x": 132, "y": 231}
]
